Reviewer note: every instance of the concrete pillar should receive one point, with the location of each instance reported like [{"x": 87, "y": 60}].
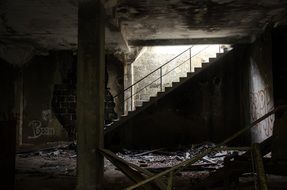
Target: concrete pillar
[
  {"x": 19, "y": 105},
  {"x": 7, "y": 125},
  {"x": 90, "y": 94},
  {"x": 128, "y": 81}
]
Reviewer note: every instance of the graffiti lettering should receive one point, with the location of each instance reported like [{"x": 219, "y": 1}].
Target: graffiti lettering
[
  {"x": 39, "y": 131},
  {"x": 260, "y": 105}
]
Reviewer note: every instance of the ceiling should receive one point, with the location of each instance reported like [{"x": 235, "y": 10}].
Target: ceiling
[{"x": 52, "y": 24}]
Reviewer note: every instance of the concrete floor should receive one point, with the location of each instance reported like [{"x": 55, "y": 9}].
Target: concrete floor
[{"x": 55, "y": 169}]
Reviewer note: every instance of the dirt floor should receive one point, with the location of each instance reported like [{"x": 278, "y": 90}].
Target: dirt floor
[{"x": 55, "y": 168}]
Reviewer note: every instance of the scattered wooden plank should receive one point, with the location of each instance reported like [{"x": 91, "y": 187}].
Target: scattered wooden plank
[
  {"x": 133, "y": 171},
  {"x": 147, "y": 152}
]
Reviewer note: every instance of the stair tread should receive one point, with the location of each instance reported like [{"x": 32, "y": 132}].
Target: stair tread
[{"x": 219, "y": 54}]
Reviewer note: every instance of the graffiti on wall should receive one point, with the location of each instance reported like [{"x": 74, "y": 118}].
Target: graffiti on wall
[
  {"x": 39, "y": 131},
  {"x": 38, "y": 128},
  {"x": 261, "y": 104}
]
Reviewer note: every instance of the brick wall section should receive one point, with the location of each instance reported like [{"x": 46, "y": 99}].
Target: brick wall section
[
  {"x": 64, "y": 95},
  {"x": 64, "y": 107}
]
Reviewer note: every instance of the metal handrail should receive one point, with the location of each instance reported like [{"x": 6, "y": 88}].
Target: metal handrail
[
  {"x": 152, "y": 72},
  {"x": 155, "y": 80},
  {"x": 161, "y": 75},
  {"x": 197, "y": 157}
]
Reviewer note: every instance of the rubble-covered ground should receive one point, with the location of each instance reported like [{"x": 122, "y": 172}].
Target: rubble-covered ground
[{"x": 55, "y": 168}]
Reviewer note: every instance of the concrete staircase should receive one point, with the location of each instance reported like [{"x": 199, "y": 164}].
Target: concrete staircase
[{"x": 153, "y": 99}]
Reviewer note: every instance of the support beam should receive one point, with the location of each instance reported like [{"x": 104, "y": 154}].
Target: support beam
[
  {"x": 90, "y": 94},
  {"x": 188, "y": 41}
]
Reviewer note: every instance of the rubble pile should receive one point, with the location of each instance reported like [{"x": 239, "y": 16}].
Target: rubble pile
[{"x": 163, "y": 158}]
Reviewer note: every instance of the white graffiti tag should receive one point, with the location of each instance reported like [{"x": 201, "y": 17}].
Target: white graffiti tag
[{"x": 39, "y": 131}]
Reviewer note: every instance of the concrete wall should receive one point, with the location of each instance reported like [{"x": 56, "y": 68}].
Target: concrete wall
[
  {"x": 261, "y": 87},
  {"x": 279, "y": 44},
  {"x": 206, "y": 108},
  {"x": 152, "y": 58},
  {"x": 50, "y": 95},
  {"x": 7, "y": 82},
  {"x": 7, "y": 124},
  {"x": 39, "y": 122},
  {"x": 219, "y": 101},
  {"x": 115, "y": 70}
]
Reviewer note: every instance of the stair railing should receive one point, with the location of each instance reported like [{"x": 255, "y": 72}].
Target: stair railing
[
  {"x": 177, "y": 168},
  {"x": 160, "y": 78}
]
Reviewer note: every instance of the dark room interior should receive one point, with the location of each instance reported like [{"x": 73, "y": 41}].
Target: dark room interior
[{"x": 143, "y": 94}]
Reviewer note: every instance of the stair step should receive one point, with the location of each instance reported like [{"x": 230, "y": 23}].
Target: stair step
[
  {"x": 212, "y": 59},
  {"x": 152, "y": 98},
  {"x": 189, "y": 74},
  {"x": 144, "y": 104},
  {"x": 110, "y": 124},
  {"x": 174, "y": 84},
  {"x": 197, "y": 69},
  {"x": 160, "y": 93},
  {"x": 124, "y": 117},
  {"x": 167, "y": 89},
  {"x": 138, "y": 107},
  {"x": 181, "y": 79},
  {"x": 204, "y": 64},
  {"x": 219, "y": 54},
  {"x": 114, "y": 120}
]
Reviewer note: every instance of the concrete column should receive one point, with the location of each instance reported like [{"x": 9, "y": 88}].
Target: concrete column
[
  {"x": 19, "y": 105},
  {"x": 90, "y": 94},
  {"x": 128, "y": 81}
]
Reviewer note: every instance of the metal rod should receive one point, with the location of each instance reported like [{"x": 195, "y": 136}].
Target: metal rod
[
  {"x": 131, "y": 98},
  {"x": 160, "y": 79},
  {"x": 190, "y": 60},
  {"x": 183, "y": 164},
  {"x": 154, "y": 81},
  {"x": 154, "y": 70}
]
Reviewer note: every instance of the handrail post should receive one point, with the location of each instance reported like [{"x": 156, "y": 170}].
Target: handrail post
[
  {"x": 131, "y": 98},
  {"x": 160, "y": 79},
  {"x": 190, "y": 59}
]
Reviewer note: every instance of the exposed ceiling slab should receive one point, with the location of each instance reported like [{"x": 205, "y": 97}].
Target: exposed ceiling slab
[
  {"x": 195, "y": 19},
  {"x": 50, "y": 24}
]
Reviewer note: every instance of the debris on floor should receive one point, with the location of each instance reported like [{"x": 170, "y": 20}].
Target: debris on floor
[{"x": 61, "y": 160}]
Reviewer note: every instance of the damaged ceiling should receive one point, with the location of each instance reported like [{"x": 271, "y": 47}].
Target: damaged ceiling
[{"x": 49, "y": 24}]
